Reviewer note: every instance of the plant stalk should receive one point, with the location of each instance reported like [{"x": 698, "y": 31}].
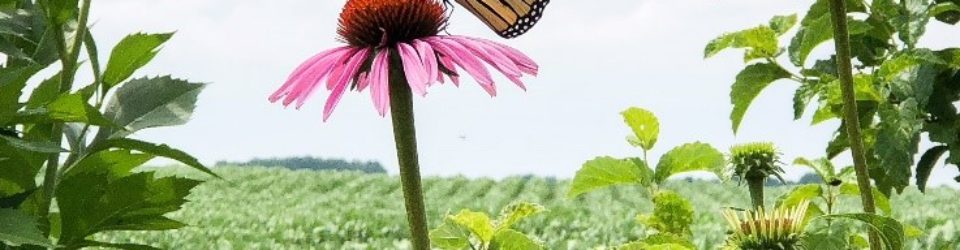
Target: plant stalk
[
  {"x": 755, "y": 185},
  {"x": 852, "y": 120},
  {"x": 405, "y": 136}
]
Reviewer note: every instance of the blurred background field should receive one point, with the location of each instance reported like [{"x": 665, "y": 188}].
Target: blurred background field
[{"x": 279, "y": 208}]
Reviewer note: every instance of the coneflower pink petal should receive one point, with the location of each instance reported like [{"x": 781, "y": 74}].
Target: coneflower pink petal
[
  {"x": 352, "y": 66},
  {"x": 518, "y": 82},
  {"x": 296, "y": 74},
  {"x": 449, "y": 65},
  {"x": 380, "y": 81},
  {"x": 429, "y": 59},
  {"x": 526, "y": 64},
  {"x": 308, "y": 81},
  {"x": 490, "y": 55},
  {"x": 413, "y": 69},
  {"x": 363, "y": 80},
  {"x": 466, "y": 60}
]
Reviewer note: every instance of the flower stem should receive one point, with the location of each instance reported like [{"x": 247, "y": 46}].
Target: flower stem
[
  {"x": 851, "y": 119},
  {"x": 755, "y": 185},
  {"x": 405, "y": 135}
]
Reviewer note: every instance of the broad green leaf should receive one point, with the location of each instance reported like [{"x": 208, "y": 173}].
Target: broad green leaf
[
  {"x": 822, "y": 166},
  {"x": 646, "y": 246},
  {"x": 689, "y": 157},
  {"x": 66, "y": 108},
  {"x": 117, "y": 163},
  {"x": 33, "y": 146},
  {"x": 450, "y": 236},
  {"x": 477, "y": 222},
  {"x": 62, "y": 11},
  {"x": 947, "y": 11},
  {"x": 644, "y": 124},
  {"x": 46, "y": 92},
  {"x": 671, "y": 214},
  {"x": 950, "y": 57},
  {"x": 816, "y": 32},
  {"x": 912, "y": 75},
  {"x": 515, "y": 212},
  {"x": 912, "y": 21},
  {"x": 782, "y": 24},
  {"x": 801, "y": 98},
  {"x": 510, "y": 239},
  {"x": 133, "y": 52},
  {"x": 18, "y": 229},
  {"x": 798, "y": 194},
  {"x": 897, "y": 142},
  {"x": 880, "y": 199},
  {"x": 603, "y": 172},
  {"x": 91, "y": 203},
  {"x": 759, "y": 42},
  {"x": 821, "y": 8},
  {"x": 12, "y": 82},
  {"x": 151, "y": 102},
  {"x": 926, "y": 164},
  {"x": 662, "y": 238},
  {"x": 750, "y": 82},
  {"x": 122, "y": 246},
  {"x": 890, "y": 230},
  {"x": 161, "y": 150},
  {"x": 825, "y": 241},
  {"x": 912, "y": 232}
]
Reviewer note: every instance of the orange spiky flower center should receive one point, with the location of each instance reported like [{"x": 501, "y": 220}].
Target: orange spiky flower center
[{"x": 370, "y": 23}]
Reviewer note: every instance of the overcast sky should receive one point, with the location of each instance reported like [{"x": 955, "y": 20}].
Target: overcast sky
[{"x": 596, "y": 60}]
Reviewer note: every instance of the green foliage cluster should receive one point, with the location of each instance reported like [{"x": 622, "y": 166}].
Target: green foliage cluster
[
  {"x": 904, "y": 92},
  {"x": 46, "y": 201},
  {"x": 476, "y": 230},
  {"x": 312, "y": 163},
  {"x": 276, "y": 208}
]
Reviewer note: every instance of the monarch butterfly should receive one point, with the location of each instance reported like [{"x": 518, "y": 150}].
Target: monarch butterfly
[{"x": 508, "y": 18}]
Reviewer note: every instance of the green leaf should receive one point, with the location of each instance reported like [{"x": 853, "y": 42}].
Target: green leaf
[
  {"x": 513, "y": 240},
  {"x": 124, "y": 246},
  {"x": 450, "y": 236},
  {"x": 750, "y": 82},
  {"x": 515, "y": 212},
  {"x": 62, "y": 11},
  {"x": 926, "y": 164},
  {"x": 798, "y": 194},
  {"x": 759, "y": 42},
  {"x": 825, "y": 241},
  {"x": 689, "y": 157},
  {"x": 132, "y": 53},
  {"x": 880, "y": 199},
  {"x": 912, "y": 21},
  {"x": 91, "y": 203},
  {"x": 890, "y": 230},
  {"x": 822, "y": 166},
  {"x": 18, "y": 229},
  {"x": 477, "y": 222},
  {"x": 782, "y": 24},
  {"x": 816, "y": 32},
  {"x": 46, "y": 92},
  {"x": 644, "y": 124},
  {"x": 646, "y": 246},
  {"x": 801, "y": 98},
  {"x": 151, "y": 102},
  {"x": 603, "y": 172},
  {"x": 671, "y": 214},
  {"x": 117, "y": 163},
  {"x": 12, "y": 82},
  {"x": 33, "y": 146},
  {"x": 161, "y": 150},
  {"x": 662, "y": 238},
  {"x": 66, "y": 108},
  {"x": 946, "y": 11},
  {"x": 897, "y": 143},
  {"x": 912, "y": 75}
]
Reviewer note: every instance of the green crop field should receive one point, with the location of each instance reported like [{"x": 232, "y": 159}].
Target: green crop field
[{"x": 260, "y": 208}]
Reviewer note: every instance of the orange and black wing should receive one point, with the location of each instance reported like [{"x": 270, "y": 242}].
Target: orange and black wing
[{"x": 509, "y": 18}]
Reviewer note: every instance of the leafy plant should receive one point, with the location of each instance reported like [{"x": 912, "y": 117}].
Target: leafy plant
[
  {"x": 476, "y": 230},
  {"x": 672, "y": 213},
  {"x": 96, "y": 188},
  {"x": 755, "y": 162}
]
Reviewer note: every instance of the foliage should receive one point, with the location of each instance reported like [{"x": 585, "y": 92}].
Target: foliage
[
  {"x": 97, "y": 187},
  {"x": 312, "y": 163},
  {"x": 336, "y": 210},
  {"x": 903, "y": 91},
  {"x": 476, "y": 230}
]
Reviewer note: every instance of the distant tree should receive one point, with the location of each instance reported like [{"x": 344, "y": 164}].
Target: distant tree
[
  {"x": 810, "y": 178},
  {"x": 311, "y": 163}
]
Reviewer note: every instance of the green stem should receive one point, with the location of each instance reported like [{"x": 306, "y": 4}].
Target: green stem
[
  {"x": 851, "y": 119},
  {"x": 404, "y": 132},
  {"x": 755, "y": 185}
]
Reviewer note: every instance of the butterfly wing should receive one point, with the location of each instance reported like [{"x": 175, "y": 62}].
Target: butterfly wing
[{"x": 508, "y": 18}]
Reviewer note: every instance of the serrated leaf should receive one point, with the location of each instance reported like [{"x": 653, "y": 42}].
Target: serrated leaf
[
  {"x": 889, "y": 229},
  {"x": 912, "y": 21},
  {"x": 17, "y": 228},
  {"x": 798, "y": 194},
  {"x": 62, "y": 11},
  {"x": 644, "y": 124},
  {"x": 881, "y": 200},
  {"x": 824, "y": 241},
  {"x": 662, "y": 238},
  {"x": 133, "y": 52},
  {"x": 801, "y": 99},
  {"x": 816, "y": 32},
  {"x": 12, "y": 82},
  {"x": 750, "y": 82},
  {"x": 782, "y": 24},
  {"x": 513, "y": 213},
  {"x": 151, "y": 102},
  {"x": 897, "y": 143},
  {"x": 117, "y": 163},
  {"x": 124, "y": 246},
  {"x": 822, "y": 166},
  {"x": 603, "y": 172},
  {"x": 689, "y": 157},
  {"x": 91, "y": 203},
  {"x": 161, "y": 150},
  {"x": 510, "y": 239},
  {"x": 946, "y": 11},
  {"x": 925, "y": 166},
  {"x": 759, "y": 42},
  {"x": 477, "y": 222},
  {"x": 671, "y": 214},
  {"x": 65, "y": 108},
  {"x": 32, "y": 146},
  {"x": 911, "y": 75},
  {"x": 450, "y": 236}
]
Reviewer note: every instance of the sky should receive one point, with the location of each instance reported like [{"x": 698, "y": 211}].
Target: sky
[{"x": 596, "y": 60}]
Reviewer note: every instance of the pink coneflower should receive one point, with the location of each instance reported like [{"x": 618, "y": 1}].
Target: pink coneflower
[{"x": 402, "y": 34}]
